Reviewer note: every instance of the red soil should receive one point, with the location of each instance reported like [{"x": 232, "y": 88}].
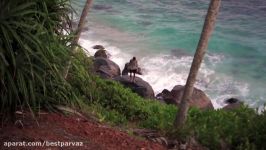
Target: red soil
[{"x": 58, "y": 127}]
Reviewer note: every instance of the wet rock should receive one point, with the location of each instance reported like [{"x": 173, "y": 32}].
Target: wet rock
[
  {"x": 98, "y": 47},
  {"x": 232, "y": 103},
  {"x": 140, "y": 86},
  {"x": 106, "y": 68},
  {"x": 101, "y": 53},
  {"x": 199, "y": 98},
  {"x": 166, "y": 96}
]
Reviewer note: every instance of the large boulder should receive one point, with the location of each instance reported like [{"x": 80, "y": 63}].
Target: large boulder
[
  {"x": 106, "y": 68},
  {"x": 101, "y": 53},
  {"x": 166, "y": 96},
  {"x": 140, "y": 86},
  {"x": 232, "y": 103},
  {"x": 98, "y": 47},
  {"x": 199, "y": 98}
]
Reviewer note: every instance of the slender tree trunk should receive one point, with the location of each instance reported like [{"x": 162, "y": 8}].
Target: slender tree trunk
[
  {"x": 198, "y": 57},
  {"x": 81, "y": 24}
]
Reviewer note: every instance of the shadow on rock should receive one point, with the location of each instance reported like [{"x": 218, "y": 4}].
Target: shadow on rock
[
  {"x": 140, "y": 86},
  {"x": 232, "y": 103},
  {"x": 106, "y": 68}
]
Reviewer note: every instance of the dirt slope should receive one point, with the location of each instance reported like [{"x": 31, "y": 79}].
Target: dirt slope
[{"x": 57, "y": 129}]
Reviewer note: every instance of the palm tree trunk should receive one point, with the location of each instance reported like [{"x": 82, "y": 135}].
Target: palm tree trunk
[
  {"x": 81, "y": 24},
  {"x": 198, "y": 57}
]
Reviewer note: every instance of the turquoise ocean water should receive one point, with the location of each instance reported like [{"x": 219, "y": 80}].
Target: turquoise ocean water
[{"x": 163, "y": 34}]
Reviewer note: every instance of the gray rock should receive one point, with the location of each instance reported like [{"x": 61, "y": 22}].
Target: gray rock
[
  {"x": 140, "y": 86},
  {"x": 199, "y": 98},
  {"x": 101, "y": 53},
  {"x": 106, "y": 68},
  {"x": 232, "y": 103},
  {"x": 98, "y": 47},
  {"x": 166, "y": 96}
]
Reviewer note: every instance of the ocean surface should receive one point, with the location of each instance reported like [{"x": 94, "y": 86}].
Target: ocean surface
[{"x": 163, "y": 35}]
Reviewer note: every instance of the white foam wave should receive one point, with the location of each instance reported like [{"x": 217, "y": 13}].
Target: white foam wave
[
  {"x": 115, "y": 53},
  {"x": 165, "y": 71}
]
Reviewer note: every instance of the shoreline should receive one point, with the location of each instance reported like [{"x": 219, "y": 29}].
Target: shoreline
[
  {"x": 164, "y": 71},
  {"x": 121, "y": 58}
]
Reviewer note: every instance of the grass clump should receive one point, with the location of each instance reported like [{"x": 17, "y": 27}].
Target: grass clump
[
  {"x": 217, "y": 129},
  {"x": 111, "y": 97},
  {"x": 112, "y": 102}
]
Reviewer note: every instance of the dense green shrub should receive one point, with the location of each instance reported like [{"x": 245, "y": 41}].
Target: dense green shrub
[
  {"x": 114, "y": 97},
  {"x": 238, "y": 129},
  {"x": 32, "y": 53},
  {"x": 241, "y": 128}
]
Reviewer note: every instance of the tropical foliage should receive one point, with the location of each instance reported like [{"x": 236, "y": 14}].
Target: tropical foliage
[
  {"x": 32, "y": 50},
  {"x": 241, "y": 128}
]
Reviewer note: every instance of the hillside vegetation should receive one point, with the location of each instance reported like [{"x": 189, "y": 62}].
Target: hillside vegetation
[{"x": 33, "y": 54}]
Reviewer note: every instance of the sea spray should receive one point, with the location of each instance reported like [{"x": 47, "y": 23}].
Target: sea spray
[
  {"x": 165, "y": 71},
  {"x": 151, "y": 30}
]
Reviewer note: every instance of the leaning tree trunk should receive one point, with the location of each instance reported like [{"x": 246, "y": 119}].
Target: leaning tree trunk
[
  {"x": 81, "y": 24},
  {"x": 198, "y": 57}
]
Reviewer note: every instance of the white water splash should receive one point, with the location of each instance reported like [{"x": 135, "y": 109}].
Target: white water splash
[{"x": 163, "y": 71}]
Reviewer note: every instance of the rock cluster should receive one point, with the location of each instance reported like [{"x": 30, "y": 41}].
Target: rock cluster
[{"x": 108, "y": 69}]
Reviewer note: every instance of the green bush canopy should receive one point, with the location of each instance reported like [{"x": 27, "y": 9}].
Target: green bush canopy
[{"x": 32, "y": 52}]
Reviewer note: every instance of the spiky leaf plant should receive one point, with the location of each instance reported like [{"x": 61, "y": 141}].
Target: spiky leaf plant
[{"x": 32, "y": 53}]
